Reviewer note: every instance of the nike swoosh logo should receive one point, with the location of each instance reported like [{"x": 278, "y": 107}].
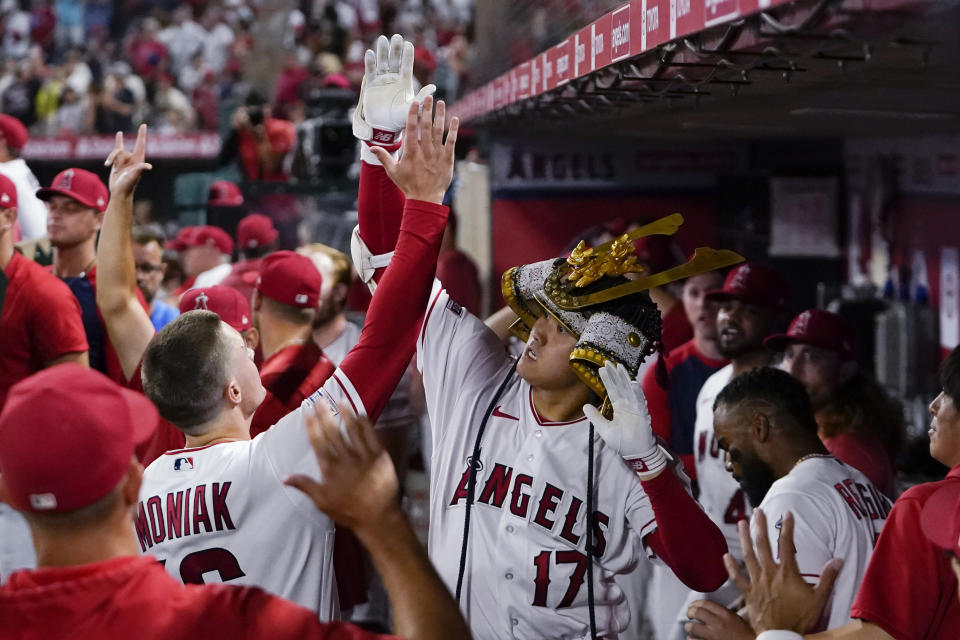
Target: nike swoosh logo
[{"x": 499, "y": 414}]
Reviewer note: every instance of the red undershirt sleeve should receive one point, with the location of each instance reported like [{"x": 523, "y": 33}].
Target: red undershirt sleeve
[
  {"x": 379, "y": 210},
  {"x": 685, "y": 539},
  {"x": 374, "y": 366}
]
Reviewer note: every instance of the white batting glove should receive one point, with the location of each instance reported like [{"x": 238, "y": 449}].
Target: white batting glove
[
  {"x": 386, "y": 92},
  {"x": 630, "y": 433}
]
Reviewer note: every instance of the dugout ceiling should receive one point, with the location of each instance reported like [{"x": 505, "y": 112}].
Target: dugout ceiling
[{"x": 808, "y": 68}]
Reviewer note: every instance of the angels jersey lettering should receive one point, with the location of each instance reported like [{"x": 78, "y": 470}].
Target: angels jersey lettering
[
  {"x": 838, "y": 513},
  {"x": 527, "y": 558},
  {"x": 221, "y": 513}
]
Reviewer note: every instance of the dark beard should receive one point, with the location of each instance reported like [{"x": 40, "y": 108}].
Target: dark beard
[{"x": 756, "y": 481}]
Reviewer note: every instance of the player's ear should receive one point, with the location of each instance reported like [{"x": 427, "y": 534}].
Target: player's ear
[
  {"x": 251, "y": 337},
  {"x": 760, "y": 426},
  {"x": 130, "y": 491},
  {"x": 256, "y": 301},
  {"x": 232, "y": 393}
]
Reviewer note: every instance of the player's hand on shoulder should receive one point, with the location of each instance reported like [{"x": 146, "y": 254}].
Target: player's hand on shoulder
[
  {"x": 358, "y": 484},
  {"x": 711, "y": 621},
  {"x": 630, "y": 432},
  {"x": 126, "y": 167},
  {"x": 425, "y": 169}
]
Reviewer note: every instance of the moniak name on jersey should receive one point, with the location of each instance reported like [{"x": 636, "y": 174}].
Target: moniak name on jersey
[{"x": 194, "y": 511}]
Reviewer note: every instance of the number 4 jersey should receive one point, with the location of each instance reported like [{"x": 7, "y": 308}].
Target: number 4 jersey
[
  {"x": 526, "y": 567},
  {"x": 221, "y": 513}
]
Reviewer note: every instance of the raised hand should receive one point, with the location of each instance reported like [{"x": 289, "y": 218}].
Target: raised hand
[
  {"x": 425, "y": 169},
  {"x": 127, "y": 167},
  {"x": 386, "y": 92},
  {"x": 777, "y": 596},
  {"x": 358, "y": 485},
  {"x": 630, "y": 432}
]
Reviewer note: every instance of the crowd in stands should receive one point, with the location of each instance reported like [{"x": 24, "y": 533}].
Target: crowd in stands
[{"x": 76, "y": 67}]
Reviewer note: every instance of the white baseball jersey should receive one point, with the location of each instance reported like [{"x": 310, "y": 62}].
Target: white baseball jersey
[
  {"x": 221, "y": 513},
  {"x": 397, "y": 412},
  {"x": 31, "y": 211},
  {"x": 526, "y": 562},
  {"x": 838, "y": 513},
  {"x": 720, "y": 495}
]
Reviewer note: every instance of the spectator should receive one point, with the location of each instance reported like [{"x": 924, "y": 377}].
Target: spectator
[
  {"x": 193, "y": 73},
  {"x": 145, "y": 51},
  {"x": 69, "y": 31},
  {"x": 117, "y": 102},
  {"x": 206, "y": 256},
  {"x": 48, "y": 100},
  {"x": 79, "y": 75},
  {"x": 19, "y": 97},
  {"x": 73, "y": 114},
  {"x": 183, "y": 38},
  {"x": 174, "y": 113},
  {"x": 219, "y": 38},
  {"x": 16, "y": 30},
  {"x": 206, "y": 102},
  {"x": 42, "y": 24},
  {"x": 148, "y": 257},
  {"x": 287, "y": 91},
  {"x": 33, "y": 213},
  {"x": 256, "y": 237}
]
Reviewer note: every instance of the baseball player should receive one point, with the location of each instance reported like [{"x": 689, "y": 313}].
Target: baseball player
[
  {"x": 766, "y": 428},
  {"x": 750, "y": 301},
  {"x": 79, "y": 490},
  {"x": 515, "y": 449},
  {"x": 40, "y": 326},
  {"x": 909, "y": 591},
  {"x": 207, "y": 509}
]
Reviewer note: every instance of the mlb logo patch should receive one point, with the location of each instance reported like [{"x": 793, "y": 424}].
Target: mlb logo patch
[
  {"x": 454, "y": 307},
  {"x": 183, "y": 464}
]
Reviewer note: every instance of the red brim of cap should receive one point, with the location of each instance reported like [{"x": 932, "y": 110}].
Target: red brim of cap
[
  {"x": 939, "y": 518},
  {"x": 144, "y": 417},
  {"x": 46, "y": 193},
  {"x": 779, "y": 341}
]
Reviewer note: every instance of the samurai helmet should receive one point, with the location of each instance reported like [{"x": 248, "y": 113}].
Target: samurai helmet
[{"x": 589, "y": 293}]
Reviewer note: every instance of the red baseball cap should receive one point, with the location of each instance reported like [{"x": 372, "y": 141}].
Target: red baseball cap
[
  {"x": 179, "y": 242},
  {"x": 226, "y": 302},
  {"x": 67, "y": 435},
  {"x": 940, "y": 518},
  {"x": 208, "y": 236},
  {"x": 755, "y": 284},
  {"x": 290, "y": 278},
  {"x": 8, "y": 193},
  {"x": 81, "y": 185},
  {"x": 224, "y": 193},
  {"x": 817, "y": 328},
  {"x": 256, "y": 230},
  {"x": 13, "y": 132}
]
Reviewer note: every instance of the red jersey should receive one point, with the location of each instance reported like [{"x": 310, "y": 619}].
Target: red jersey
[
  {"x": 867, "y": 456},
  {"x": 923, "y": 605},
  {"x": 459, "y": 276},
  {"x": 281, "y": 134},
  {"x": 40, "y": 321},
  {"x": 133, "y": 597},
  {"x": 673, "y": 412}
]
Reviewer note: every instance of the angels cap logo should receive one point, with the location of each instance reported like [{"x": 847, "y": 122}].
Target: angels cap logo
[
  {"x": 201, "y": 301},
  {"x": 800, "y": 326},
  {"x": 739, "y": 280},
  {"x": 66, "y": 179}
]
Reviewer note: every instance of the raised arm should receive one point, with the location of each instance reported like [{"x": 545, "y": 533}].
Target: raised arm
[
  {"x": 127, "y": 322},
  {"x": 376, "y": 363},
  {"x": 359, "y": 490}
]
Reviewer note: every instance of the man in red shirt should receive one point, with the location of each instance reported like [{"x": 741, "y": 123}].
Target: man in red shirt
[
  {"x": 40, "y": 326},
  {"x": 79, "y": 491},
  {"x": 909, "y": 591},
  {"x": 283, "y": 310},
  {"x": 857, "y": 421}
]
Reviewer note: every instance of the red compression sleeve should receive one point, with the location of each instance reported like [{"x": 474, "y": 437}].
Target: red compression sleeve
[
  {"x": 374, "y": 366},
  {"x": 686, "y": 539},
  {"x": 379, "y": 210}
]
